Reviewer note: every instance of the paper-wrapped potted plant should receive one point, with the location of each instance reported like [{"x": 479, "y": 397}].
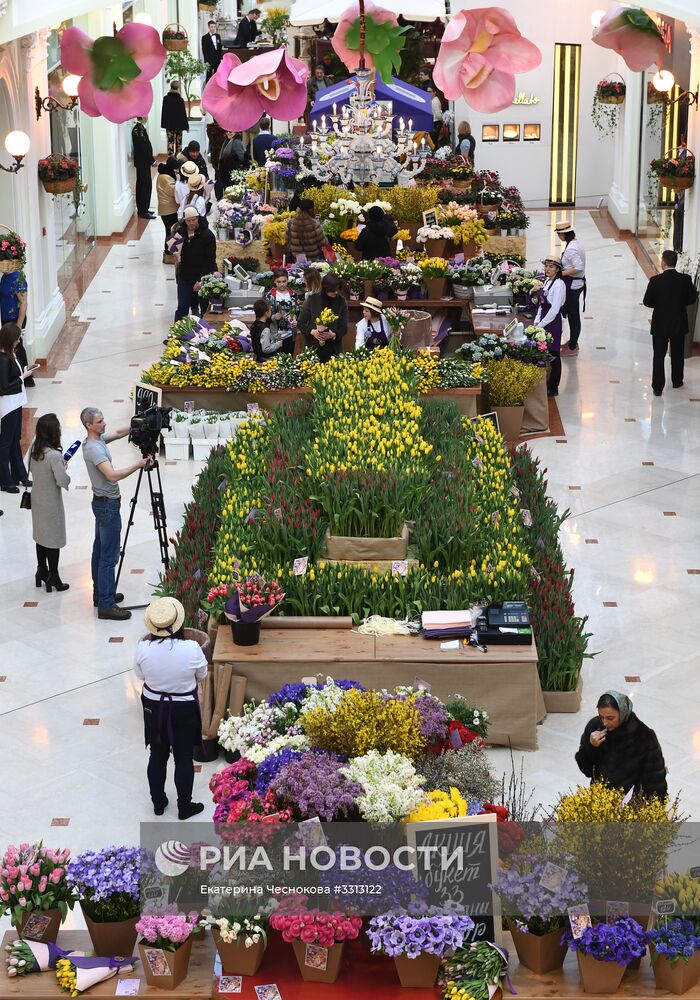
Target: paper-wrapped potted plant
[
  {"x": 107, "y": 883},
  {"x": 675, "y": 951},
  {"x": 510, "y": 382},
  {"x": 240, "y": 942},
  {"x": 165, "y": 947},
  {"x": 604, "y": 951},
  {"x": 435, "y": 271},
  {"x": 418, "y": 938},
  {"x": 252, "y": 600},
  {"x": 317, "y": 938},
  {"x": 535, "y": 896},
  {"x": 213, "y": 288},
  {"x": 34, "y": 891}
]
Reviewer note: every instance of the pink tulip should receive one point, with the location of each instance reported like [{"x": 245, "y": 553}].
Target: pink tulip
[
  {"x": 57, "y": 874},
  {"x": 481, "y": 51},
  {"x": 43, "y": 881},
  {"x": 22, "y": 901},
  {"x": 127, "y": 98},
  {"x": 633, "y": 35},
  {"x": 272, "y": 83},
  {"x": 351, "y": 57}
]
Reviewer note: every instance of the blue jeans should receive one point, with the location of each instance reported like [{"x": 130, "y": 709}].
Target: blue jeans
[
  {"x": 187, "y": 299},
  {"x": 105, "y": 550}
]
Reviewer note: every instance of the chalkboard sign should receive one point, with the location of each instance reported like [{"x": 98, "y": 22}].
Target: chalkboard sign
[
  {"x": 470, "y": 845},
  {"x": 146, "y": 396}
]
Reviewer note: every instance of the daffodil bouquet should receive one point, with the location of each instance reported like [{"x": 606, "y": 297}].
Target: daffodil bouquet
[{"x": 326, "y": 318}]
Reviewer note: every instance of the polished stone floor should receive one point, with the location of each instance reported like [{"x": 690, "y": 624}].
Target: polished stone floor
[{"x": 628, "y": 468}]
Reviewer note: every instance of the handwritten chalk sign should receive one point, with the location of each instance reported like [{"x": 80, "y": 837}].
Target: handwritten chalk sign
[
  {"x": 470, "y": 845},
  {"x": 146, "y": 396},
  {"x": 694, "y": 872},
  {"x": 664, "y": 907}
]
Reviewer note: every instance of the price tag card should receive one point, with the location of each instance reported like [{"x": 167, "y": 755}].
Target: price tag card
[
  {"x": 552, "y": 877},
  {"x": 527, "y": 518},
  {"x": 400, "y": 566},
  {"x": 188, "y": 406},
  {"x": 252, "y": 407},
  {"x": 579, "y": 918},
  {"x": 421, "y": 685},
  {"x": 694, "y": 872},
  {"x": 270, "y": 992},
  {"x": 312, "y": 834},
  {"x": 316, "y": 957},
  {"x": 127, "y": 987},
  {"x": 665, "y": 907},
  {"x": 300, "y": 564},
  {"x": 227, "y": 985},
  {"x": 459, "y": 258}
]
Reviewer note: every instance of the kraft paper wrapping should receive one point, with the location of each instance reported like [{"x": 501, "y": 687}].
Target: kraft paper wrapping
[
  {"x": 536, "y": 414},
  {"x": 357, "y": 549}
]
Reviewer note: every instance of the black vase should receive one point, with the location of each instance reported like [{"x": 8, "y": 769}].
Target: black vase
[
  {"x": 245, "y": 633},
  {"x": 206, "y": 751}
]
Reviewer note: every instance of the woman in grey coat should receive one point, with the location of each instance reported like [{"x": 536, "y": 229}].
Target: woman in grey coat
[{"x": 48, "y": 517}]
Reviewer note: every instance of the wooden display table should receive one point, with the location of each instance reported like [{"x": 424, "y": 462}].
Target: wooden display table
[
  {"x": 504, "y": 681},
  {"x": 490, "y": 322},
  {"x": 359, "y": 968}
]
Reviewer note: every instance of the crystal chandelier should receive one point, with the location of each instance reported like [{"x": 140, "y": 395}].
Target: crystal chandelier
[{"x": 360, "y": 145}]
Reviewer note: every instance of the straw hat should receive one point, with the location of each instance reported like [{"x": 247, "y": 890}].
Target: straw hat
[
  {"x": 374, "y": 304},
  {"x": 164, "y": 617},
  {"x": 196, "y": 182},
  {"x": 563, "y": 227},
  {"x": 191, "y": 212},
  {"x": 189, "y": 169},
  {"x": 552, "y": 259}
]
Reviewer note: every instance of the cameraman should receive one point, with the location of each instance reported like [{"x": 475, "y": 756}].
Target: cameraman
[{"x": 106, "y": 501}]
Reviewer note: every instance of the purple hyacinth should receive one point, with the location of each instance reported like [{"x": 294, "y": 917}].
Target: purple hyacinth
[{"x": 313, "y": 785}]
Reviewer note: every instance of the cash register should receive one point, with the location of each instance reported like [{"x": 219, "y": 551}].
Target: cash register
[{"x": 506, "y": 624}]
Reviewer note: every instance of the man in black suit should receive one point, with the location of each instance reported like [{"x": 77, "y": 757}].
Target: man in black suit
[
  {"x": 669, "y": 294},
  {"x": 211, "y": 49},
  {"x": 143, "y": 161},
  {"x": 247, "y": 29}
]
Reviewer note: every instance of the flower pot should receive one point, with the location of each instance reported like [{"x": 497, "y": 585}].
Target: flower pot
[
  {"x": 611, "y": 99},
  {"x": 181, "y": 428},
  {"x": 276, "y": 251},
  {"x": 175, "y": 44},
  {"x": 222, "y": 234},
  {"x": 460, "y": 185},
  {"x": 421, "y": 971},
  {"x": 245, "y": 633},
  {"x": 510, "y": 421},
  {"x": 312, "y": 975},
  {"x": 416, "y": 292},
  {"x": 679, "y": 977},
  {"x": 435, "y": 287},
  {"x": 418, "y": 332},
  {"x": 563, "y": 701},
  {"x": 112, "y": 938},
  {"x": 236, "y": 959},
  {"x": 383, "y": 295},
  {"x": 676, "y": 183},
  {"x": 463, "y": 291},
  {"x": 206, "y": 751},
  {"x": 64, "y": 186},
  {"x": 165, "y": 969},
  {"x": 41, "y": 925},
  {"x": 505, "y": 232},
  {"x": 599, "y": 977},
  {"x": 470, "y": 249},
  {"x": 539, "y": 952},
  {"x": 435, "y": 248}
]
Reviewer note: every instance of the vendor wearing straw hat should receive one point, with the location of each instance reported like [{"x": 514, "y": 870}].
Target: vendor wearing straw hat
[
  {"x": 573, "y": 263},
  {"x": 552, "y": 299},
  {"x": 372, "y": 330},
  {"x": 187, "y": 170},
  {"x": 170, "y": 667}
]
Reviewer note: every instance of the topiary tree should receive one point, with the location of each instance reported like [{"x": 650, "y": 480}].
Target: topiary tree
[{"x": 185, "y": 67}]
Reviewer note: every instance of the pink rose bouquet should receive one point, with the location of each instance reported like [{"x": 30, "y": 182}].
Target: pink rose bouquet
[
  {"x": 170, "y": 931},
  {"x": 33, "y": 878}
]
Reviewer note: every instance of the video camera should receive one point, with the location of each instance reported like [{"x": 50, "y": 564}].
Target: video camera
[{"x": 146, "y": 427}]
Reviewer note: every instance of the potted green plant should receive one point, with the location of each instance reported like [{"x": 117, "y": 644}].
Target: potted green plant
[
  {"x": 240, "y": 942},
  {"x": 213, "y": 288},
  {"x": 510, "y": 382},
  {"x": 675, "y": 954},
  {"x": 675, "y": 172},
  {"x": 252, "y": 600},
  {"x": 107, "y": 883},
  {"x": 58, "y": 174},
  {"x": 604, "y": 951},
  {"x": 183, "y": 66}
]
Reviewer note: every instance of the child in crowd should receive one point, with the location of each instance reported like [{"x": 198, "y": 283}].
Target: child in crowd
[
  {"x": 283, "y": 303},
  {"x": 372, "y": 330},
  {"x": 264, "y": 337}
]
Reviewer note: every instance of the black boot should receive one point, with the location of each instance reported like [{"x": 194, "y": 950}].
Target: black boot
[
  {"x": 191, "y": 809},
  {"x": 40, "y": 575},
  {"x": 54, "y": 582}
]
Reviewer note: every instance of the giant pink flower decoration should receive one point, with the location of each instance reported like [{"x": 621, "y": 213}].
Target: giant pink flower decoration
[
  {"x": 480, "y": 53},
  {"x": 383, "y": 39},
  {"x": 114, "y": 70},
  {"x": 273, "y": 83},
  {"x": 631, "y": 33}
]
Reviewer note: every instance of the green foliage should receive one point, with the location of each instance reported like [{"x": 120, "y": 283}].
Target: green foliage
[
  {"x": 185, "y": 67},
  {"x": 384, "y": 41},
  {"x": 511, "y": 382}
]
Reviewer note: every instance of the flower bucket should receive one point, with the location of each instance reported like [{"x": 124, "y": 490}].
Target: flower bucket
[
  {"x": 539, "y": 952},
  {"x": 416, "y": 292},
  {"x": 383, "y": 295},
  {"x": 245, "y": 633},
  {"x": 225, "y": 431},
  {"x": 276, "y": 251},
  {"x": 206, "y": 751},
  {"x": 222, "y": 233},
  {"x": 112, "y": 938},
  {"x": 181, "y": 428},
  {"x": 676, "y": 183},
  {"x": 435, "y": 248},
  {"x": 64, "y": 186},
  {"x": 421, "y": 971},
  {"x": 435, "y": 287},
  {"x": 211, "y": 430},
  {"x": 175, "y": 44},
  {"x": 463, "y": 291},
  {"x": 460, "y": 185},
  {"x": 165, "y": 969},
  {"x": 599, "y": 977},
  {"x": 470, "y": 249},
  {"x": 195, "y": 428},
  {"x": 236, "y": 959},
  {"x": 510, "y": 421},
  {"x": 418, "y": 332},
  {"x": 313, "y": 975},
  {"x": 44, "y": 927},
  {"x": 679, "y": 977},
  {"x": 611, "y": 99}
]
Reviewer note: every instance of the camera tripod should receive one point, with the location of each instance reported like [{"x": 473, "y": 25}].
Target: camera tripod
[{"x": 159, "y": 517}]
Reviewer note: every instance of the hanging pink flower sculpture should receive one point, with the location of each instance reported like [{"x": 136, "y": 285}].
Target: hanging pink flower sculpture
[
  {"x": 631, "y": 33},
  {"x": 115, "y": 70},
  {"x": 272, "y": 83},
  {"x": 383, "y": 39},
  {"x": 480, "y": 53}
]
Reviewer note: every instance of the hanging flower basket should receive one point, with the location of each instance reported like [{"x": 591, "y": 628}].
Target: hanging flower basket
[
  {"x": 206, "y": 5},
  {"x": 676, "y": 172},
  {"x": 175, "y": 37},
  {"x": 59, "y": 187},
  {"x": 611, "y": 91},
  {"x": 654, "y": 96},
  {"x": 13, "y": 251},
  {"x": 58, "y": 174}
]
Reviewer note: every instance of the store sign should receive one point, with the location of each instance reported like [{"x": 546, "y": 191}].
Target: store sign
[
  {"x": 666, "y": 30},
  {"x": 525, "y": 99}
]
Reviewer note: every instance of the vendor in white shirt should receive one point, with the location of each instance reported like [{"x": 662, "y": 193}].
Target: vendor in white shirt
[
  {"x": 170, "y": 667},
  {"x": 195, "y": 197},
  {"x": 372, "y": 330},
  {"x": 573, "y": 262},
  {"x": 552, "y": 299},
  {"x": 187, "y": 170}
]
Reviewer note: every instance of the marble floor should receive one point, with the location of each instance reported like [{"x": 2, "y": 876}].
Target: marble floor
[{"x": 628, "y": 468}]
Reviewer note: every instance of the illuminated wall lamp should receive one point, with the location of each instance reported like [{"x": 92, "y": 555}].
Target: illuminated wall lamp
[
  {"x": 70, "y": 89},
  {"x": 664, "y": 81},
  {"x": 17, "y": 145}
]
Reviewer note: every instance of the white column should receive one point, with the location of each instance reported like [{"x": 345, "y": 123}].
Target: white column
[
  {"x": 158, "y": 12},
  {"x": 691, "y": 228},
  {"x": 33, "y": 207},
  {"x": 623, "y": 190}
]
